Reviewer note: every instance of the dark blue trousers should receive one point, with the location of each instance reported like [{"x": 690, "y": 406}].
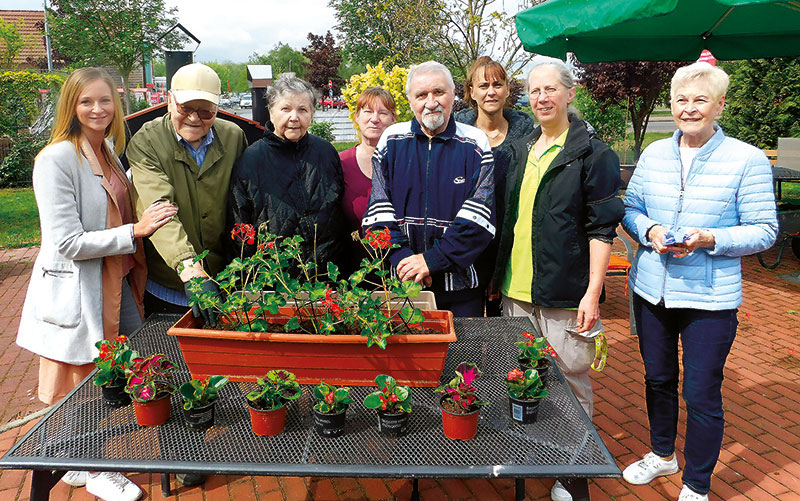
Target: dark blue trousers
[{"x": 706, "y": 338}]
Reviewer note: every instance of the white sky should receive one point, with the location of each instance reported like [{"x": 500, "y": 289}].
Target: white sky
[{"x": 233, "y": 29}]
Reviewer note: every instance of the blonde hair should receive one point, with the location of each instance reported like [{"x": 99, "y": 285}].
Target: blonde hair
[
  {"x": 714, "y": 77},
  {"x": 66, "y": 126}
]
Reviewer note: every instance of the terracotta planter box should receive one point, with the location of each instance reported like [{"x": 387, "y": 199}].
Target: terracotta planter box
[{"x": 413, "y": 359}]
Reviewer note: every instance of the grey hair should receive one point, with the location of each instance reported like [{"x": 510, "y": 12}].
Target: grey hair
[
  {"x": 713, "y": 76},
  {"x": 290, "y": 84},
  {"x": 429, "y": 67},
  {"x": 565, "y": 75}
]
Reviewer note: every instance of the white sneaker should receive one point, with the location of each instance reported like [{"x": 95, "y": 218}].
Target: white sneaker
[
  {"x": 689, "y": 495},
  {"x": 651, "y": 466},
  {"x": 75, "y": 478},
  {"x": 559, "y": 493},
  {"x": 112, "y": 486}
]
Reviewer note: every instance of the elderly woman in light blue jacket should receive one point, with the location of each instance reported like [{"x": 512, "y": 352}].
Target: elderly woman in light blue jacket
[{"x": 696, "y": 203}]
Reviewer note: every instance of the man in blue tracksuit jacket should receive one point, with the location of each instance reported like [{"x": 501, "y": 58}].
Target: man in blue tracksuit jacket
[{"x": 433, "y": 187}]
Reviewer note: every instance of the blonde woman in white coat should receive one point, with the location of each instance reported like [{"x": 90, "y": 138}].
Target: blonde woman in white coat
[{"x": 88, "y": 279}]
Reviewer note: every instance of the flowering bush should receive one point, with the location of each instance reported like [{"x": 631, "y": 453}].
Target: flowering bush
[
  {"x": 198, "y": 393},
  {"x": 534, "y": 349},
  {"x": 274, "y": 390},
  {"x": 394, "y": 81},
  {"x": 460, "y": 391},
  {"x": 114, "y": 362},
  {"x": 150, "y": 378},
  {"x": 276, "y": 275},
  {"x": 525, "y": 385},
  {"x": 390, "y": 397},
  {"x": 330, "y": 399}
]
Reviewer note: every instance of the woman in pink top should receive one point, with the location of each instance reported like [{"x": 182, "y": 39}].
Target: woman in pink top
[{"x": 375, "y": 110}]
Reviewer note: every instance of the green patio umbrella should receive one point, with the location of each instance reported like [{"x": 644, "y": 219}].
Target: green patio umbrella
[{"x": 658, "y": 30}]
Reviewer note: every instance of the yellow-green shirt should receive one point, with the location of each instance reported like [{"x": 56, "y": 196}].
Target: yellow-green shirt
[{"x": 519, "y": 269}]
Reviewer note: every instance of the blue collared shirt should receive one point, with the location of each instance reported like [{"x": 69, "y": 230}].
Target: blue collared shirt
[{"x": 198, "y": 154}]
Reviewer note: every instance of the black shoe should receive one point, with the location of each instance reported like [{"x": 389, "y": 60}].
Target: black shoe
[{"x": 191, "y": 479}]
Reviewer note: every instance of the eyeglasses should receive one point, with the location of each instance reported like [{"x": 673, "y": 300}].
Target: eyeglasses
[
  {"x": 547, "y": 91},
  {"x": 201, "y": 114}
]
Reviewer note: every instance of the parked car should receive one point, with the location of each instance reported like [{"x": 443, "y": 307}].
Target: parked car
[
  {"x": 246, "y": 102},
  {"x": 224, "y": 102},
  {"x": 330, "y": 102},
  {"x": 235, "y": 99}
]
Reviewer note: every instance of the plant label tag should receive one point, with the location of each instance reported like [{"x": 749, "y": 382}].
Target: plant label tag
[{"x": 516, "y": 411}]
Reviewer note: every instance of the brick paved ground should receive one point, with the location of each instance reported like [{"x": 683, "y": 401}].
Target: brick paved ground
[{"x": 760, "y": 459}]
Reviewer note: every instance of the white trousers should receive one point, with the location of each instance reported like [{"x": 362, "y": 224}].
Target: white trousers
[{"x": 575, "y": 351}]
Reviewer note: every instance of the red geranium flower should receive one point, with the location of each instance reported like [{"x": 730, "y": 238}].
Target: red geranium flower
[{"x": 244, "y": 232}]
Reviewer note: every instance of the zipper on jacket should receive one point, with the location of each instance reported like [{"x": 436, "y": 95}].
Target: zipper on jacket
[
  {"x": 427, "y": 177},
  {"x": 674, "y": 224}
]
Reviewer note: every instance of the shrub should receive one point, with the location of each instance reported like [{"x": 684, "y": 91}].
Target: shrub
[
  {"x": 393, "y": 81},
  {"x": 608, "y": 120},
  {"x": 19, "y": 97},
  {"x": 16, "y": 169},
  {"x": 323, "y": 130}
]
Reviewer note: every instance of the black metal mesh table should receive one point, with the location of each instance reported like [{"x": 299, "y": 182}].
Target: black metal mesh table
[{"x": 81, "y": 433}]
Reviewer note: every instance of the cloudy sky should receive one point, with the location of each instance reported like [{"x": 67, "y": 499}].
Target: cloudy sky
[{"x": 234, "y": 29}]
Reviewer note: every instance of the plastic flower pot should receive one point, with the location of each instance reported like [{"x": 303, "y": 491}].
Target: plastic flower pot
[
  {"x": 459, "y": 426},
  {"x": 393, "y": 424},
  {"x": 523, "y": 411},
  {"x": 115, "y": 396},
  {"x": 154, "y": 412},
  {"x": 542, "y": 367},
  {"x": 330, "y": 425},
  {"x": 200, "y": 418},
  {"x": 267, "y": 423}
]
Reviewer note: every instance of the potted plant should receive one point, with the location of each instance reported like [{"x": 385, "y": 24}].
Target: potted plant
[
  {"x": 460, "y": 406},
  {"x": 525, "y": 391},
  {"x": 199, "y": 399},
  {"x": 277, "y": 306},
  {"x": 330, "y": 409},
  {"x": 113, "y": 365},
  {"x": 393, "y": 403},
  {"x": 532, "y": 354},
  {"x": 150, "y": 386},
  {"x": 267, "y": 404}
]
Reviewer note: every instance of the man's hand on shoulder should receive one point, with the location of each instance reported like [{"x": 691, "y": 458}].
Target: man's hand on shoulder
[{"x": 414, "y": 268}]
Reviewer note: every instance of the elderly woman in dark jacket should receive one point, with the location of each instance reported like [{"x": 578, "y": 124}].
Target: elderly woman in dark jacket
[
  {"x": 487, "y": 92},
  {"x": 290, "y": 179}
]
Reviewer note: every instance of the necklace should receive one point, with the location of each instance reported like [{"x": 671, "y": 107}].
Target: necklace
[{"x": 496, "y": 134}]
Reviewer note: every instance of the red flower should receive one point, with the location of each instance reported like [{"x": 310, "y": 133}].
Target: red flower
[
  {"x": 515, "y": 375},
  {"x": 244, "y": 232},
  {"x": 331, "y": 304},
  {"x": 121, "y": 339},
  {"x": 329, "y": 398},
  {"x": 379, "y": 239},
  {"x": 393, "y": 398}
]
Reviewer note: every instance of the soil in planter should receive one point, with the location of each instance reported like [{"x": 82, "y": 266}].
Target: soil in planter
[
  {"x": 454, "y": 408},
  {"x": 306, "y": 327}
]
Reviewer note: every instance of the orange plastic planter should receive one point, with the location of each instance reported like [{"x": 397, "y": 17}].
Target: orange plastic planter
[
  {"x": 460, "y": 426},
  {"x": 412, "y": 359},
  {"x": 267, "y": 423},
  {"x": 152, "y": 413}
]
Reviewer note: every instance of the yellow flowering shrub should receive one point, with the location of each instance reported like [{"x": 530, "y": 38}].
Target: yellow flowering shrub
[{"x": 393, "y": 81}]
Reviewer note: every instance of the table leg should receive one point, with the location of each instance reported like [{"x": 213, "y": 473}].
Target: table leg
[
  {"x": 519, "y": 484},
  {"x": 578, "y": 487},
  {"x": 42, "y": 482},
  {"x": 414, "y": 489},
  {"x": 166, "y": 491}
]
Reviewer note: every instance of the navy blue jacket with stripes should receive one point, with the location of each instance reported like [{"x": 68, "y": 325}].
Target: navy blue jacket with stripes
[{"x": 436, "y": 195}]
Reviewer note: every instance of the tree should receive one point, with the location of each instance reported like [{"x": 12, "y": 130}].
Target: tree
[
  {"x": 283, "y": 59},
  {"x": 232, "y": 76},
  {"x": 476, "y": 28},
  {"x": 763, "y": 101},
  {"x": 112, "y": 32},
  {"x": 324, "y": 58},
  {"x": 637, "y": 85},
  {"x": 11, "y": 42},
  {"x": 397, "y": 32}
]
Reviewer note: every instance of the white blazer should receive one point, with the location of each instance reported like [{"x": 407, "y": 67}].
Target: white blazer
[{"x": 62, "y": 317}]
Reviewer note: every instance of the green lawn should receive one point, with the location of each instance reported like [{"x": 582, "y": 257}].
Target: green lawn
[
  {"x": 344, "y": 145},
  {"x": 19, "y": 218}
]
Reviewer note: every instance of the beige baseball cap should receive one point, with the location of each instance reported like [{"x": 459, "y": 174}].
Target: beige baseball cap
[{"x": 195, "y": 81}]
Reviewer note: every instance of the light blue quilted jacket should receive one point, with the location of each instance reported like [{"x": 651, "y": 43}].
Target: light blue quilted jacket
[{"x": 728, "y": 191}]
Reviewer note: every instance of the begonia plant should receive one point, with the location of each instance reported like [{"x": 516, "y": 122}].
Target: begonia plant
[
  {"x": 114, "y": 361},
  {"x": 390, "y": 396},
  {"x": 330, "y": 399},
  {"x": 525, "y": 385},
  {"x": 275, "y": 389}
]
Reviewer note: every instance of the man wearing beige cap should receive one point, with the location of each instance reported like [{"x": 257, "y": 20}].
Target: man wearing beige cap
[{"x": 185, "y": 158}]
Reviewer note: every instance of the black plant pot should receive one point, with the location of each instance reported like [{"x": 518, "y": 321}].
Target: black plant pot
[
  {"x": 542, "y": 367},
  {"x": 199, "y": 418},
  {"x": 393, "y": 424},
  {"x": 330, "y": 425},
  {"x": 523, "y": 411},
  {"x": 115, "y": 396}
]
